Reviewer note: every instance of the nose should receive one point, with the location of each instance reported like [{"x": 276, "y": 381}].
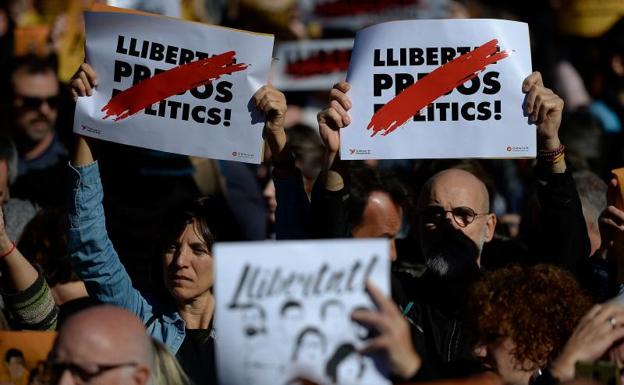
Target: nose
[
  {"x": 45, "y": 108},
  {"x": 66, "y": 379},
  {"x": 182, "y": 256}
]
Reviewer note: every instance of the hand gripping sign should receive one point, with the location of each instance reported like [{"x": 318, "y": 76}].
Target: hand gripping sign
[
  {"x": 439, "y": 89},
  {"x": 174, "y": 86}
]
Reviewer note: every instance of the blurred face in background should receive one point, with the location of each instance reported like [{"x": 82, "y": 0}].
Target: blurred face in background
[{"x": 36, "y": 97}]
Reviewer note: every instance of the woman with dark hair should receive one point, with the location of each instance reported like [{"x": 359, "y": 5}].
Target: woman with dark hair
[
  {"x": 534, "y": 323},
  {"x": 181, "y": 316}
]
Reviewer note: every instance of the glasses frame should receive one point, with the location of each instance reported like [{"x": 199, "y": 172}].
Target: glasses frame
[
  {"x": 56, "y": 369},
  {"x": 474, "y": 216},
  {"x": 28, "y": 102}
]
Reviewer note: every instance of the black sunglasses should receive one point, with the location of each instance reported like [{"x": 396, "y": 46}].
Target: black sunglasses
[
  {"x": 55, "y": 370},
  {"x": 462, "y": 215},
  {"x": 33, "y": 103}
]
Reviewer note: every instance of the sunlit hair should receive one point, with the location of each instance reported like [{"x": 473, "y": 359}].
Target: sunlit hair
[
  {"x": 536, "y": 307},
  {"x": 167, "y": 369}
]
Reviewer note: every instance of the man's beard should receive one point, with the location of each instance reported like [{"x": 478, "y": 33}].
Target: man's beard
[{"x": 449, "y": 254}]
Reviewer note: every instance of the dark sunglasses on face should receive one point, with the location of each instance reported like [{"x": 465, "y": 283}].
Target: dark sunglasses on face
[
  {"x": 55, "y": 370},
  {"x": 462, "y": 215},
  {"x": 33, "y": 103}
]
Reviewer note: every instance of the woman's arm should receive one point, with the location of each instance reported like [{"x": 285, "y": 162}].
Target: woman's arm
[
  {"x": 26, "y": 292},
  {"x": 91, "y": 252}
]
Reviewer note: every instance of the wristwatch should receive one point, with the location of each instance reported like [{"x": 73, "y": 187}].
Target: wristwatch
[{"x": 543, "y": 377}]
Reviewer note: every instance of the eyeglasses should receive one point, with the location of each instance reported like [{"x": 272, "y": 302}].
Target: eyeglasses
[
  {"x": 55, "y": 370},
  {"x": 33, "y": 103},
  {"x": 462, "y": 215}
]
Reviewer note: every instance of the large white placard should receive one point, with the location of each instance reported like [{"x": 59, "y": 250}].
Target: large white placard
[
  {"x": 283, "y": 311},
  {"x": 479, "y": 118},
  {"x": 175, "y": 86},
  {"x": 311, "y": 65}
]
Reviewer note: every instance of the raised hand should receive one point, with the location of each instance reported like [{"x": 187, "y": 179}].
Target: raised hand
[
  {"x": 83, "y": 81},
  {"x": 333, "y": 118},
  {"x": 544, "y": 108},
  {"x": 394, "y": 337}
]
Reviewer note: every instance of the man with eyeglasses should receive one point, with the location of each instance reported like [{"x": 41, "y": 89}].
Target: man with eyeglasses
[
  {"x": 103, "y": 345},
  {"x": 33, "y": 116},
  {"x": 454, "y": 222}
]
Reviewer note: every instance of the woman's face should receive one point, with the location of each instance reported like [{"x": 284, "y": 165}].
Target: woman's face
[
  {"x": 188, "y": 266},
  {"x": 505, "y": 364}
]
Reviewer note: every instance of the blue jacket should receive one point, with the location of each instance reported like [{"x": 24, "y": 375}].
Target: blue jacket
[{"x": 96, "y": 262}]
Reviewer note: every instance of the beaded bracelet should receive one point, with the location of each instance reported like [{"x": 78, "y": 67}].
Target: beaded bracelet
[{"x": 551, "y": 154}]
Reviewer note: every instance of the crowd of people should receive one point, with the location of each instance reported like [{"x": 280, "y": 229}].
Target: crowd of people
[{"x": 509, "y": 271}]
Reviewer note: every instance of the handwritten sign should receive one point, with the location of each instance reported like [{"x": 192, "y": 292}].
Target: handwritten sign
[{"x": 283, "y": 310}]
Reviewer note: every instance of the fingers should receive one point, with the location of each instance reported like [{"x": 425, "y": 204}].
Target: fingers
[
  {"x": 370, "y": 318},
  {"x": 344, "y": 115},
  {"x": 90, "y": 73},
  {"x": 341, "y": 97},
  {"x": 540, "y": 102},
  {"x": 83, "y": 81},
  {"x": 534, "y": 79},
  {"x": 342, "y": 86},
  {"x": 385, "y": 305},
  {"x": 332, "y": 118},
  {"x": 613, "y": 217},
  {"x": 547, "y": 106},
  {"x": 376, "y": 344},
  {"x": 268, "y": 99}
]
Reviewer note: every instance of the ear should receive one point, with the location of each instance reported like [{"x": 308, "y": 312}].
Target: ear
[
  {"x": 617, "y": 65},
  {"x": 141, "y": 375},
  {"x": 490, "y": 227}
]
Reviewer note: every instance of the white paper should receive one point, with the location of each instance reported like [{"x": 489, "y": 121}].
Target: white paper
[
  {"x": 311, "y": 65},
  {"x": 283, "y": 310},
  {"x": 505, "y": 134},
  {"x": 238, "y": 138}
]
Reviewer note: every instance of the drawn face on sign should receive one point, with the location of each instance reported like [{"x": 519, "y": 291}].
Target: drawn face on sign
[
  {"x": 292, "y": 317},
  {"x": 349, "y": 370},
  {"x": 334, "y": 315},
  {"x": 309, "y": 347},
  {"x": 253, "y": 321},
  {"x": 345, "y": 366}
]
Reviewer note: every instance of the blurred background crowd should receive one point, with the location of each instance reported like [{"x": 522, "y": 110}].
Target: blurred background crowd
[{"x": 577, "y": 45}]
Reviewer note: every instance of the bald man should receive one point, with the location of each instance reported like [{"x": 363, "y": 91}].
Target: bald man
[
  {"x": 454, "y": 201},
  {"x": 454, "y": 222},
  {"x": 102, "y": 345}
]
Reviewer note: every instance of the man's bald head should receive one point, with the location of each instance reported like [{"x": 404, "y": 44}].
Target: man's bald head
[
  {"x": 442, "y": 235},
  {"x": 458, "y": 182},
  {"x": 106, "y": 335}
]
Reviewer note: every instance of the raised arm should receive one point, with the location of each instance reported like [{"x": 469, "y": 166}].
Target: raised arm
[
  {"x": 330, "y": 209},
  {"x": 91, "y": 252},
  {"x": 26, "y": 292},
  {"x": 292, "y": 214},
  {"x": 562, "y": 237}
]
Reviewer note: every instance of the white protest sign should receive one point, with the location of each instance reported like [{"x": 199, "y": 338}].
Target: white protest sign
[
  {"x": 311, "y": 65},
  {"x": 283, "y": 310},
  {"x": 174, "y": 86},
  {"x": 398, "y": 112}
]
